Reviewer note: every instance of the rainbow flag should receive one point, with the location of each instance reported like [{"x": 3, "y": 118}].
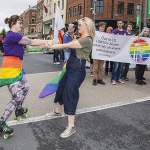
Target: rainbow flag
[
  {"x": 52, "y": 86},
  {"x": 60, "y": 36},
  {"x": 11, "y": 70}
]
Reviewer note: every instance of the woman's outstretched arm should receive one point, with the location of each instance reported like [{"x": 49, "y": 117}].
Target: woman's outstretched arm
[
  {"x": 74, "y": 44},
  {"x": 34, "y": 42}
]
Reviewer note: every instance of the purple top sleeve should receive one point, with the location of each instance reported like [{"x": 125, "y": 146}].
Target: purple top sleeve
[{"x": 11, "y": 46}]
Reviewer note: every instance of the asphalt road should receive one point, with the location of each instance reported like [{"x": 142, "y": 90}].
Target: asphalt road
[
  {"x": 38, "y": 63},
  {"x": 120, "y": 128},
  {"x": 125, "y": 127}
]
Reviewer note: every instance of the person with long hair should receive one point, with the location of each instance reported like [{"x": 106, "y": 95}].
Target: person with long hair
[
  {"x": 11, "y": 72},
  {"x": 140, "y": 68},
  {"x": 68, "y": 90}
]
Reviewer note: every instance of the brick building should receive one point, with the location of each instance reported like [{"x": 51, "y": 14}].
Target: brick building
[
  {"x": 39, "y": 18},
  {"x": 29, "y": 22},
  {"x": 108, "y": 11}
]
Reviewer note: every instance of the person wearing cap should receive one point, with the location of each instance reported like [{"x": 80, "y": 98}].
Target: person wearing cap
[{"x": 68, "y": 38}]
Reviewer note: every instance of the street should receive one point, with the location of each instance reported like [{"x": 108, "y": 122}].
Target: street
[{"x": 108, "y": 117}]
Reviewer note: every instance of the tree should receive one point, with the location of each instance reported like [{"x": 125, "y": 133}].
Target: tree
[{"x": 3, "y": 32}]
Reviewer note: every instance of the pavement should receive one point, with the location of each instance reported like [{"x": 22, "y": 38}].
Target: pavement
[{"x": 109, "y": 117}]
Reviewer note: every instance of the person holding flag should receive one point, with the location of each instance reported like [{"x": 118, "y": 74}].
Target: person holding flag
[{"x": 67, "y": 93}]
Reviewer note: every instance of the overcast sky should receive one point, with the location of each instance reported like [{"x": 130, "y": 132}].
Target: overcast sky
[{"x": 13, "y": 7}]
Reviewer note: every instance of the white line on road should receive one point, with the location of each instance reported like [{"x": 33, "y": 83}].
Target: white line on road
[{"x": 81, "y": 111}]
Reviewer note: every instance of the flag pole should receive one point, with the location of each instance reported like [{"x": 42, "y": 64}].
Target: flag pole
[{"x": 140, "y": 16}]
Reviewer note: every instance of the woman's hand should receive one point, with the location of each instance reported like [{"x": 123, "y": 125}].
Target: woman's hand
[{"x": 49, "y": 44}]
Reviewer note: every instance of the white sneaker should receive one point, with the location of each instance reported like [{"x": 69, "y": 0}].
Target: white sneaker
[
  {"x": 69, "y": 131},
  {"x": 113, "y": 82},
  {"x": 56, "y": 63},
  {"x": 119, "y": 81},
  {"x": 53, "y": 114}
]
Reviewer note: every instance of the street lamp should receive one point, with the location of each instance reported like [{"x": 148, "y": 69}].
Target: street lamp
[
  {"x": 94, "y": 10},
  {"x": 145, "y": 13}
]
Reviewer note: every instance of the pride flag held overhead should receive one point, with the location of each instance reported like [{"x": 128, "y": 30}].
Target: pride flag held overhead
[{"x": 52, "y": 86}]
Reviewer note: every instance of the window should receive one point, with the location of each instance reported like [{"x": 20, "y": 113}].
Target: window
[
  {"x": 33, "y": 13},
  {"x": 54, "y": 7},
  {"x": 50, "y": 10},
  {"x": 120, "y": 7},
  {"x": 74, "y": 11},
  {"x": 70, "y": 13},
  {"x": 62, "y": 4},
  {"x": 130, "y": 9},
  {"x": 79, "y": 9},
  {"x": 32, "y": 20},
  {"x": 138, "y": 8},
  {"x": 58, "y": 3},
  {"x": 99, "y": 4},
  {"x": 32, "y": 30}
]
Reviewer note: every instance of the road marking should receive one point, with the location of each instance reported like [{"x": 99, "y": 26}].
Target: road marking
[
  {"x": 81, "y": 111},
  {"x": 43, "y": 73}
]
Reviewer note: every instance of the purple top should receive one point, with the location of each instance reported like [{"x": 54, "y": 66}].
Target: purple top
[
  {"x": 11, "y": 46},
  {"x": 118, "y": 32}
]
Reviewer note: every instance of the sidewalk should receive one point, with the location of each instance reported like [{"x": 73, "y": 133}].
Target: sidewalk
[{"x": 90, "y": 96}]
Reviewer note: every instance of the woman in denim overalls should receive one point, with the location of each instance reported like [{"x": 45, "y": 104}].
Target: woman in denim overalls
[{"x": 68, "y": 90}]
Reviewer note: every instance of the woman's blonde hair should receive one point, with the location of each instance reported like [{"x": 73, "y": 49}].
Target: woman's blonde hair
[{"x": 90, "y": 24}]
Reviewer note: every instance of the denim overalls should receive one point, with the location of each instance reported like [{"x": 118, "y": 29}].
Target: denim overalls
[{"x": 68, "y": 90}]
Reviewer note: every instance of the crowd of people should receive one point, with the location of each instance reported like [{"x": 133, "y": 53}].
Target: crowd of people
[
  {"x": 75, "y": 49},
  {"x": 117, "y": 70}
]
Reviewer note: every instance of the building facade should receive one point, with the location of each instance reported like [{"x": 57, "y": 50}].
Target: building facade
[
  {"x": 29, "y": 22},
  {"x": 108, "y": 11},
  {"x": 49, "y": 12},
  {"x": 39, "y": 19}
]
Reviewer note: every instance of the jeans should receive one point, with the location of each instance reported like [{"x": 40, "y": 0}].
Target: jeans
[
  {"x": 57, "y": 53},
  {"x": 140, "y": 69},
  {"x": 117, "y": 66},
  {"x": 125, "y": 69},
  {"x": 68, "y": 90}
]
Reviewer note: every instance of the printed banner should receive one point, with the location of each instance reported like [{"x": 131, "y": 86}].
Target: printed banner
[{"x": 119, "y": 48}]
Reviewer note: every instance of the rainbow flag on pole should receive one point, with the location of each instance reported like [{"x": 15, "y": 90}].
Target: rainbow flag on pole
[
  {"x": 52, "y": 86},
  {"x": 11, "y": 70}
]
